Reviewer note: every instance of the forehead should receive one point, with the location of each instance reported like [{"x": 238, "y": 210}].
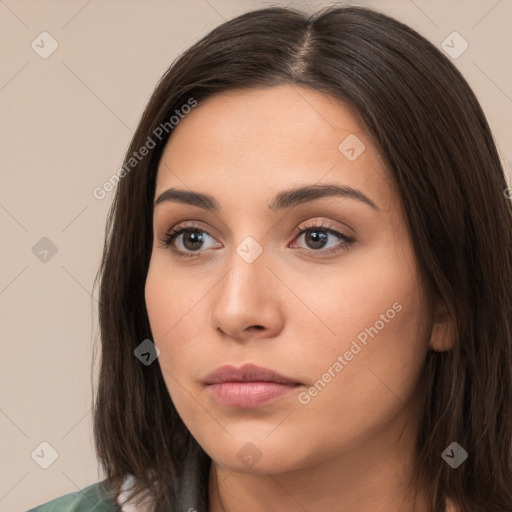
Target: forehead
[{"x": 260, "y": 140}]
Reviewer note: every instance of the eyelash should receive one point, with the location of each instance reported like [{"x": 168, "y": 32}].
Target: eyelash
[{"x": 169, "y": 237}]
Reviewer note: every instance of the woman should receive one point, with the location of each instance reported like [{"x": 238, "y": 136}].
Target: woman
[{"x": 305, "y": 287}]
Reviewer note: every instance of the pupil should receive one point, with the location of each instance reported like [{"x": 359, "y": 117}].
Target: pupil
[
  {"x": 195, "y": 238},
  {"x": 319, "y": 238}
]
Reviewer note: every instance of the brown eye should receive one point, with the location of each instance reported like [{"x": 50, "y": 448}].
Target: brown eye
[
  {"x": 316, "y": 238},
  {"x": 189, "y": 239},
  {"x": 192, "y": 240},
  {"x": 324, "y": 239}
]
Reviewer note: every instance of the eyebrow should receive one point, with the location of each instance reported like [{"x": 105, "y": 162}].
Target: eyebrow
[{"x": 285, "y": 199}]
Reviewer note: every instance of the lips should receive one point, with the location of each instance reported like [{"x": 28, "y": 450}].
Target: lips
[
  {"x": 247, "y": 373},
  {"x": 248, "y": 386}
]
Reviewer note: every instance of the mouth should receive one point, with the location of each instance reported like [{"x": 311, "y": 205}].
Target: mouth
[
  {"x": 248, "y": 386},
  {"x": 249, "y": 394}
]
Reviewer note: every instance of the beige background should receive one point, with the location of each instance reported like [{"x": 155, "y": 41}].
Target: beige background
[{"x": 66, "y": 122}]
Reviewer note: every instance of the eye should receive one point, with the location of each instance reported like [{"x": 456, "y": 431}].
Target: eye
[
  {"x": 324, "y": 238},
  {"x": 191, "y": 238}
]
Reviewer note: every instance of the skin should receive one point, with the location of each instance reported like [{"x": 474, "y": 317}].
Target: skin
[{"x": 293, "y": 309}]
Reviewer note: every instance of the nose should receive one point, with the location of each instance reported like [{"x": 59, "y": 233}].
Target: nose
[{"x": 247, "y": 303}]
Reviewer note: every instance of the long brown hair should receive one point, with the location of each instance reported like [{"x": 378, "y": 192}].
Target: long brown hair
[{"x": 433, "y": 136}]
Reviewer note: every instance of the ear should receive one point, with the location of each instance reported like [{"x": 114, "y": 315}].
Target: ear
[{"x": 442, "y": 337}]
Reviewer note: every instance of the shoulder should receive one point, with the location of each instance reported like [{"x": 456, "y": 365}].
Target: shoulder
[{"x": 95, "y": 498}]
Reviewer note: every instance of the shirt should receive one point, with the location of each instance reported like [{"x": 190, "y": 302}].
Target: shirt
[{"x": 96, "y": 497}]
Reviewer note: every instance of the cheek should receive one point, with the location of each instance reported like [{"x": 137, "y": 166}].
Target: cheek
[
  {"x": 373, "y": 314},
  {"x": 170, "y": 313},
  {"x": 177, "y": 311},
  {"x": 377, "y": 380},
  {"x": 372, "y": 296},
  {"x": 172, "y": 301}
]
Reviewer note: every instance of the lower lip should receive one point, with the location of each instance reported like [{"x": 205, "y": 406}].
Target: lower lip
[{"x": 249, "y": 394}]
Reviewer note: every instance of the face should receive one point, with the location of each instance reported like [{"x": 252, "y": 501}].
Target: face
[{"x": 321, "y": 287}]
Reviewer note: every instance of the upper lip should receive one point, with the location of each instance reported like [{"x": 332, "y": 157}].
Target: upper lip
[{"x": 246, "y": 373}]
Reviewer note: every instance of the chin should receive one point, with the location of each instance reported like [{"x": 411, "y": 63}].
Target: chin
[{"x": 259, "y": 455}]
